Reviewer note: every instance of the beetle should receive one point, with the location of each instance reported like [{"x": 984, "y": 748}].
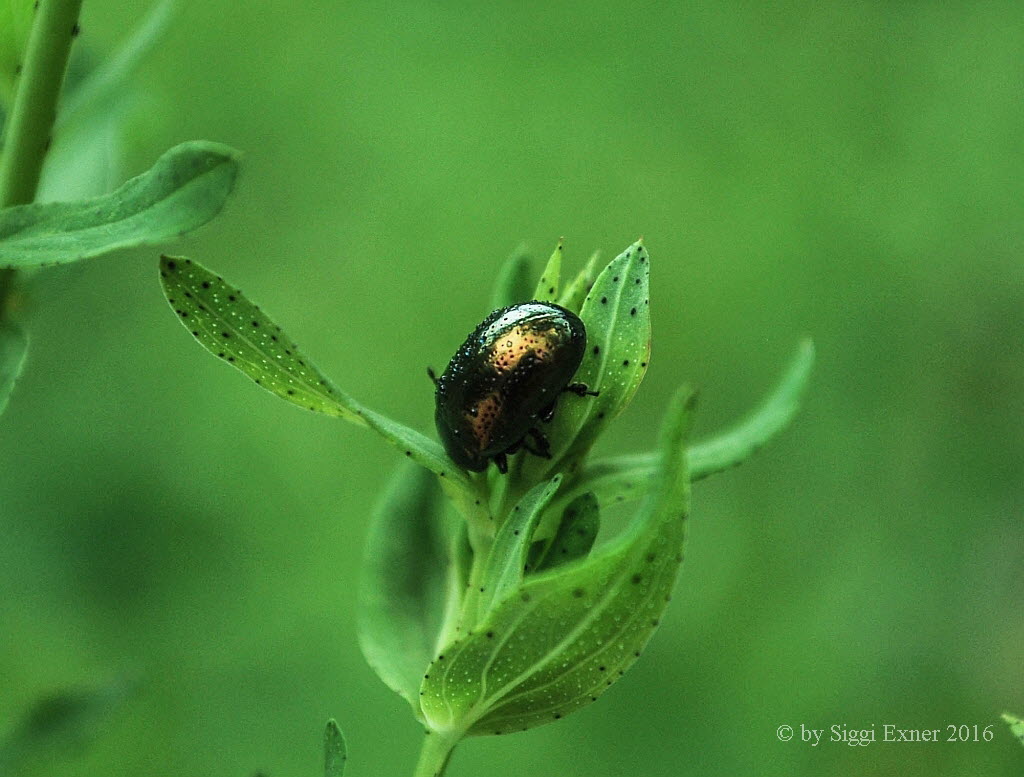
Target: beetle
[{"x": 507, "y": 376}]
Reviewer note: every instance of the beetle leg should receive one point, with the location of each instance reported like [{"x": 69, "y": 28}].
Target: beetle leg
[
  {"x": 501, "y": 463},
  {"x": 544, "y": 447},
  {"x": 432, "y": 375},
  {"x": 581, "y": 390},
  {"x": 541, "y": 441},
  {"x": 501, "y": 459},
  {"x": 547, "y": 414},
  {"x": 530, "y": 449}
]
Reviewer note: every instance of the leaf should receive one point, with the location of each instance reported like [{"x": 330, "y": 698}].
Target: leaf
[
  {"x": 420, "y": 449},
  {"x": 547, "y": 287},
  {"x": 184, "y": 189},
  {"x": 776, "y": 411},
  {"x": 623, "y": 478},
  {"x": 617, "y": 318},
  {"x": 227, "y": 324},
  {"x": 574, "y": 294},
  {"x": 232, "y": 328},
  {"x": 335, "y": 752},
  {"x": 574, "y": 537},
  {"x": 569, "y": 633},
  {"x": 402, "y": 591},
  {"x": 70, "y": 717},
  {"x": 618, "y": 479},
  {"x": 15, "y": 23},
  {"x": 506, "y": 562},
  {"x": 1016, "y": 726},
  {"x": 513, "y": 282},
  {"x": 13, "y": 348}
]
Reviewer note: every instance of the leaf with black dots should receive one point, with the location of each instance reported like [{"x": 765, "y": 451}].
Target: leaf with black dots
[
  {"x": 513, "y": 283},
  {"x": 574, "y": 538},
  {"x": 235, "y": 330},
  {"x": 232, "y": 328},
  {"x": 547, "y": 286},
  {"x": 335, "y": 752},
  {"x": 625, "y": 478},
  {"x": 616, "y": 314},
  {"x": 184, "y": 189},
  {"x": 506, "y": 562},
  {"x": 567, "y": 634},
  {"x": 13, "y": 349}
]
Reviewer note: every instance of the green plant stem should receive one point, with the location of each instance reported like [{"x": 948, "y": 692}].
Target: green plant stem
[
  {"x": 481, "y": 542},
  {"x": 435, "y": 753},
  {"x": 35, "y": 104},
  {"x": 35, "y": 109}
]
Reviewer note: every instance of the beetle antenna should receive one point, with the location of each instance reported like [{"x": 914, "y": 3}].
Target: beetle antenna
[{"x": 432, "y": 375}]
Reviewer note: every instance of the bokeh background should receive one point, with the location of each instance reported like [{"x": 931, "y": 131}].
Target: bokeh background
[{"x": 850, "y": 171}]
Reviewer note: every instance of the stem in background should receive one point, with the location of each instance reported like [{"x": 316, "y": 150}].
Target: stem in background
[
  {"x": 435, "y": 753},
  {"x": 35, "y": 104},
  {"x": 35, "y": 108}
]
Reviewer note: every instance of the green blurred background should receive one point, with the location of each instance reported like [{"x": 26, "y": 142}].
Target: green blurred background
[{"x": 850, "y": 171}]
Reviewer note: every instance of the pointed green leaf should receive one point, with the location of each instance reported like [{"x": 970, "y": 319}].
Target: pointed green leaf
[
  {"x": 232, "y": 328},
  {"x": 513, "y": 283},
  {"x": 616, "y": 314},
  {"x": 403, "y": 589},
  {"x": 422, "y": 450},
  {"x": 568, "y": 634},
  {"x": 547, "y": 287},
  {"x": 13, "y": 348},
  {"x": 335, "y": 752},
  {"x": 574, "y": 294},
  {"x": 574, "y": 538},
  {"x": 776, "y": 411},
  {"x": 186, "y": 187},
  {"x": 1016, "y": 726},
  {"x": 624, "y": 478},
  {"x": 506, "y": 562}
]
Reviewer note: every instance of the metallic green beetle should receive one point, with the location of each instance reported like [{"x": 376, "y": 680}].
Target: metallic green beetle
[{"x": 506, "y": 377}]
